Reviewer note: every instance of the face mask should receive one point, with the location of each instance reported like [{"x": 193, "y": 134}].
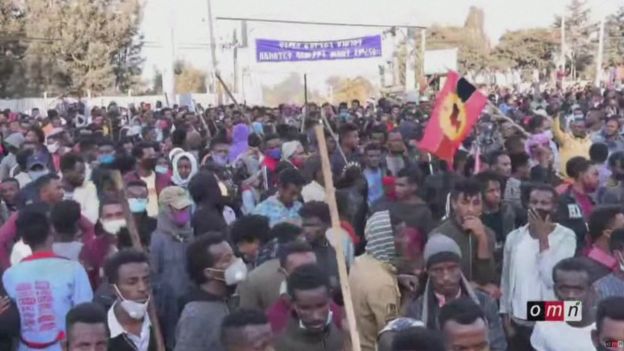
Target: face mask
[
  {"x": 330, "y": 317},
  {"x": 106, "y": 159},
  {"x": 34, "y": 175},
  {"x": 52, "y": 148},
  {"x": 298, "y": 162},
  {"x": 235, "y": 273},
  {"x": 181, "y": 218},
  {"x": 219, "y": 160},
  {"x": 275, "y": 154},
  {"x": 161, "y": 169},
  {"x": 135, "y": 310},
  {"x": 137, "y": 205},
  {"x": 113, "y": 226}
]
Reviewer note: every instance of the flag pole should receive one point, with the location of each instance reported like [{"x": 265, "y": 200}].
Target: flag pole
[{"x": 330, "y": 198}]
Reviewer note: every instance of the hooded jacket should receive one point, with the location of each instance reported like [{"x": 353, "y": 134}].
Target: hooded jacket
[
  {"x": 168, "y": 264},
  {"x": 206, "y": 194},
  {"x": 427, "y": 309},
  {"x": 240, "y": 134}
]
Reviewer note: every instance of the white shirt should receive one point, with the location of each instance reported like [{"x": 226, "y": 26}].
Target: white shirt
[
  {"x": 141, "y": 342},
  {"x": 313, "y": 192},
  {"x": 558, "y": 336},
  {"x": 86, "y": 197},
  {"x": 152, "y": 195},
  {"x": 19, "y": 251},
  {"x": 527, "y": 272}
]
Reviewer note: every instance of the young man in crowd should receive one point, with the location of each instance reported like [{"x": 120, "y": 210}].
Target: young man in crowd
[
  {"x": 497, "y": 215},
  {"x": 446, "y": 283},
  {"x": 576, "y": 202},
  {"x": 475, "y": 240},
  {"x": 168, "y": 247},
  {"x": 64, "y": 218},
  {"x": 572, "y": 282},
  {"x": 520, "y": 172},
  {"x": 464, "y": 326},
  {"x": 409, "y": 205},
  {"x": 9, "y": 188},
  {"x": 249, "y": 233},
  {"x": 216, "y": 272},
  {"x": 574, "y": 143},
  {"x": 612, "y": 283},
  {"x": 609, "y": 324},
  {"x": 246, "y": 330},
  {"x": 129, "y": 325},
  {"x": 529, "y": 256},
  {"x": 349, "y": 138},
  {"x": 137, "y": 193},
  {"x": 373, "y": 173},
  {"x": 146, "y": 157},
  {"x": 283, "y": 206},
  {"x": 603, "y": 222},
  {"x": 310, "y": 325},
  {"x": 86, "y": 328},
  {"x": 416, "y": 338},
  {"x": 76, "y": 188},
  {"x": 500, "y": 163},
  {"x": 44, "y": 286}
]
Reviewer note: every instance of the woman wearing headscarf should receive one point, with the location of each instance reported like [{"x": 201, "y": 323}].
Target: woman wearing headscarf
[
  {"x": 184, "y": 167},
  {"x": 293, "y": 153}
]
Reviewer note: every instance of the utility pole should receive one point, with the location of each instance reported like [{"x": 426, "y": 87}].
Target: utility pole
[
  {"x": 563, "y": 60},
  {"x": 600, "y": 52},
  {"x": 213, "y": 53},
  {"x": 168, "y": 71}
]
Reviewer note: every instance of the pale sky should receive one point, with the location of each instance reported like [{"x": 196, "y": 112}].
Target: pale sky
[{"x": 191, "y": 27}]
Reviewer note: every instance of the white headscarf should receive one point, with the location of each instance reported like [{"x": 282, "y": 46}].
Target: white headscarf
[{"x": 177, "y": 180}]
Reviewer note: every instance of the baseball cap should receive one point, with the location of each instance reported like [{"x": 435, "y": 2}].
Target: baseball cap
[
  {"x": 35, "y": 160},
  {"x": 175, "y": 197}
]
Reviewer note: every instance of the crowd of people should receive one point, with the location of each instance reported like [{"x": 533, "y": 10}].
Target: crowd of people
[{"x": 209, "y": 229}]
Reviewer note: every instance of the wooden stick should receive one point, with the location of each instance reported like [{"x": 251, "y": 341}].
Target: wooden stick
[
  {"x": 330, "y": 198},
  {"x": 136, "y": 244},
  {"x": 335, "y": 137},
  {"x": 502, "y": 116},
  {"x": 227, "y": 91}
]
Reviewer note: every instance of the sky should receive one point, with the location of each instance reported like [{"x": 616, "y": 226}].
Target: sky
[{"x": 191, "y": 36}]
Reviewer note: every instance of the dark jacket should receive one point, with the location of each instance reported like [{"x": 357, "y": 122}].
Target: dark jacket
[
  {"x": 122, "y": 343},
  {"x": 482, "y": 271},
  {"x": 428, "y": 312},
  {"x": 296, "y": 339},
  {"x": 205, "y": 191},
  {"x": 9, "y": 324},
  {"x": 570, "y": 215},
  {"x": 199, "y": 327}
]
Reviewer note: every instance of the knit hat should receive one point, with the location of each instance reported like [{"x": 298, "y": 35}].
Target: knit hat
[{"x": 441, "y": 248}]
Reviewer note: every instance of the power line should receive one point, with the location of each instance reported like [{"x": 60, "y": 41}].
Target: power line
[{"x": 319, "y": 23}]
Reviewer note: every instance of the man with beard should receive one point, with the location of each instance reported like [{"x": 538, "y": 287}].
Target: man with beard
[
  {"x": 76, "y": 188},
  {"x": 146, "y": 157},
  {"x": 529, "y": 256},
  {"x": 576, "y": 202}
]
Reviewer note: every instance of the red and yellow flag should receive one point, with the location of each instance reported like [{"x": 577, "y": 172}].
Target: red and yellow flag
[{"x": 457, "y": 108}]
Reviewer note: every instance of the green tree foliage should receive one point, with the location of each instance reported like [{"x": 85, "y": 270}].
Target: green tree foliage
[
  {"x": 189, "y": 79},
  {"x": 471, "y": 40},
  {"x": 75, "y": 46},
  {"x": 527, "y": 49},
  {"x": 580, "y": 38},
  {"x": 614, "y": 38}
]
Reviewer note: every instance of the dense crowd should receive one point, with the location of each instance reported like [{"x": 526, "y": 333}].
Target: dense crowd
[{"x": 230, "y": 245}]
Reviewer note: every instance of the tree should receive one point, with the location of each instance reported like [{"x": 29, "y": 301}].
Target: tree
[
  {"x": 471, "y": 40},
  {"x": 289, "y": 90},
  {"x": 527, "y": 49},
  {"x": 73, "y": 46},
  {"x": 347, "y": 89},
  {"x": 189, "y": 79},
  {"x": 579, "y": 36},
  {"x": 614, "y": 38}
]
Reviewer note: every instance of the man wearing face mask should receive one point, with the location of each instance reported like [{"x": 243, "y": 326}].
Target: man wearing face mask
[
  {"x": 216, "y": 272},
  {"x": 168, "y": 245},
  {"x": 130, "y": 328},
  {"x": 146, "y": 158},
  {"x": 137, "y": 201},
  {"x": 310, "y": 326},
  {"x": 576, "y": 202},
  {"x": 219, "y": 150}
]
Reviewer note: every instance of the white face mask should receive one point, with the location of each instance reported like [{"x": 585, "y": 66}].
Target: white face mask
[
  {"x": 113, "y": 226},
  {"x": 135, "y": 310},
  {"x": 235, "y": 273},
  {"x": 52, "y": 148}
]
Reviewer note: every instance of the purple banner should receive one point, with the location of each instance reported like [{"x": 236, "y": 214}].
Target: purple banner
[{"x": 268, "y": 50}]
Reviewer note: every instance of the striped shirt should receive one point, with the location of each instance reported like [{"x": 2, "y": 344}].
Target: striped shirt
[{"x": 609, "y": 285}]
